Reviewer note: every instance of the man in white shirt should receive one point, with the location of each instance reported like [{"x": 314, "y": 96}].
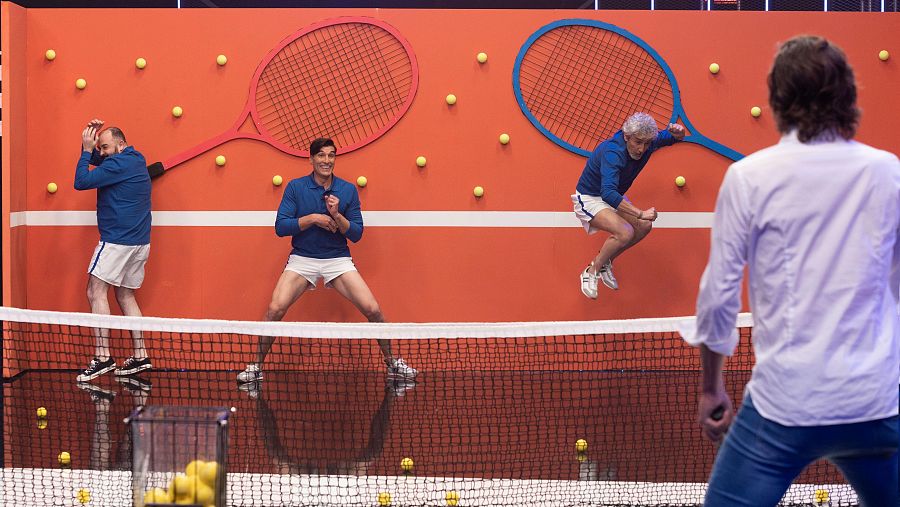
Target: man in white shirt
[{"x": 817, "y": 219}]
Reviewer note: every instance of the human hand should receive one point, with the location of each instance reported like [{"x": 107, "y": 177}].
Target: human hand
[
  {"x": 715, "y": 414},
  {"x": 326, "y": 222},
  {"x": 89, "y": 137},
  {"x": 649, "y": 214},
  {"x": 677, "y": 131},
  {"x": 331, "y": 204}
]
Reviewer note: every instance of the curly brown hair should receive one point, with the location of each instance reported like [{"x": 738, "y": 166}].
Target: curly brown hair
[{"x": 812, "y": 89}]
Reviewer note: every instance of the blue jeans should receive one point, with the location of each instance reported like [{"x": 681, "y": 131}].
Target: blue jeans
[{"x": 760, "y": 458}]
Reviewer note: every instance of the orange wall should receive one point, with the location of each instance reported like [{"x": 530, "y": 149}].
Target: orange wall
[{"x": 418, "y": 274}]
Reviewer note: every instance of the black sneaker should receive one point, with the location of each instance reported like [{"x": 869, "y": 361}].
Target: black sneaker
[
  {"x": 96, "y": 368},
  {"x": 132, "y": 366},
  {"x": 135, "y": 385},
  {"x": 97, "y": 393}
]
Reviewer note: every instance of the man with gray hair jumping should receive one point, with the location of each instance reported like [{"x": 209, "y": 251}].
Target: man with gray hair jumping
[{"x": 600, "y": 201}]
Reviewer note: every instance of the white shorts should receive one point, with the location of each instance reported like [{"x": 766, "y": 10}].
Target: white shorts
[
  {"x": 119, "y": 265},
  {"x": 314, "y": 269},
  {"x": 586, "y": 208}
]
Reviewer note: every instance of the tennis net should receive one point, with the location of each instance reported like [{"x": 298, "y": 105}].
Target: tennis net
[{"x": 493, "y": 417}]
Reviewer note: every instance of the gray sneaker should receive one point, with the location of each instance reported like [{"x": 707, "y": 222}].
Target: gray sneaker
[
  {"x": 589, "y": 283},
  {"x": 251, "y": 373},
  {"x": 397, "y": 368},
  {"x": 607, "y": 277}
]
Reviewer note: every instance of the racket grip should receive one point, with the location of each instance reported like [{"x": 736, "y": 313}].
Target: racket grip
[
  {"x": 718, "y": 413},
  {"x": 155, "y": 170}
]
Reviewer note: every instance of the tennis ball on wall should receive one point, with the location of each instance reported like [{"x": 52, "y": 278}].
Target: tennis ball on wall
[
  {"x": 41, "y": 411},
  {"x": 406, "y": 464},
  {"x": 362, "y": 181},
  {"x": 221, "y": 60},
  {"x": 680, "y": 181},
  {"x": 80, "y": 83},
  {"x": 277, "y": 180},
  {"x": 421, "y": 161},
  {"x": 140, "y": 63},
  {"x": 478, "y": 191},
  {"x": 581, "y": 445},
  {"x": 482, "y": 57},
  {"x": 451, "y": 99},
  {"x": 714, "y": 68},
  {"x": 220, "y": 160},
  {"x": 504, "y": 138},
  {"x": 452, "y": 498},
  {"x": 83, "y": 495},
  {"x": 50, "y": 55},
  {"x": 177, "y": 111},
  {"x": 52, "y": 188},
  {"x": 384, "y": 499},
  {"x": 755, "y": 111},
  {"x": 64, "y": 458},
  {"x": 883, "y": 55}
]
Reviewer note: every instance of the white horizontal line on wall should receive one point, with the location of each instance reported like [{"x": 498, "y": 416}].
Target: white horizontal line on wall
[{"x": 505, "y": 219}]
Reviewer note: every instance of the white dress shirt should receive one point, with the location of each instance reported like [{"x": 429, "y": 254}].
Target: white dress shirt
[{"x": 818, "y": 225}]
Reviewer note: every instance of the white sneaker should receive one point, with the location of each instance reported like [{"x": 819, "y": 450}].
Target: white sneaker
[
  {"x": 607, "y": 277},
  {"x": 251, "y": 388},
  {"x": 589, "y": 283},
  {"x": 251, "y": 373},
  {"x": 398, "y": 368},
  {"x": 399, "y": 386}
]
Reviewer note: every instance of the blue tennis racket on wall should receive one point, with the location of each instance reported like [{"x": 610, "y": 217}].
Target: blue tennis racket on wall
[{"x": 577, "y": 80}]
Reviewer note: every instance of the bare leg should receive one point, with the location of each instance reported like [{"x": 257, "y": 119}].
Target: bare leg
[
  {"x": 97, "y": 291},
  {"x": 289, "y": 288},
  {"x": 625, "y": 231},
  {"x": 130, "y": 308},
  {"x": 352, "y": 286},
  {"x": 641, "y": 229}
]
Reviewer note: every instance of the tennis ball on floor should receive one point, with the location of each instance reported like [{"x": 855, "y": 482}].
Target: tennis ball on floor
[
  {"x": 277, "y": 180},
  {"x": 221, "y": 60},
  {"x": 205, "y": 494},
  {"x": 406, "y": 464},
  {"x": 821, "y": 496},
  {"x": 50, "y": 55},
  {"x": 208, "y": 473},
  {"x": 714, "y": 68},
  {"x": 680, "y": 181},
  {"x": 420, "y": 161},
  {"x": 177, "y": 111},
  {"x": 478, "y": 191},
  {"x": 193, "y": 468},
  {"x": 755, "y": 111},
  {"x": 883, "y": 55},
  {"x": 140, "y": 63},
  {"x": 451, "y": 99},
  {"x": 504, "y": 138},
  {"x": 80, "y": 83},
  {"x": 362, "y": 181},
  {"x": 452, "y": 498},
  {"x": 52, "y": 188},
  {"x": 482, "y": 57},
  {"x": 220, "y": 160},
  {"x": 41, "y": 411},
  {"x": 83, "y": 495},
  {"x": 581, "y": 445},
  {"x": 384, "y": 499},
  {"x": 64, "y": 458},
  {"x": 581, "y": 457},
  {"x": 157, "y": 495}
]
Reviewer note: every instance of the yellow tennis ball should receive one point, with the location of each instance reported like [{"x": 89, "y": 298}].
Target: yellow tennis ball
[
  {"x": 80, "y": 83},
  {"x": 220, "y": 160},
  {"x": 50, "y": 55},
  {"x": 482, "y": 57},
  {"x": 420, "y": 161},
  {"x": 581, "y": 457},
  {"x": 504, "y": 138},
  {"x": 177, "y": 111},
  {"x": 755, "y": 111},
  {"x": 714, "y": 68},
  {"x": 883, "y": 55},
  {"x": 41, "y": 411},
  {"x": 83, "y": 495},
  {"x": 41, "y": 424},
  {"x": 52, "y": 188},
  {"x": 183, "y": 488},
  {"x": 362, "y": 181},
  {"x": 140, "y": 63},
  {"x": 406, "y": 464},
  {"x": 64, "y": 458},
  {"x": 277, "y": 180},
  {"x": 478, "y": 191},
  {"x": 581, "y": 445},
  {"x": 821, "y": 495},
  {"x": 205, "y": 495},
  {"x": 157, "y": 495},
  {"x": 193, "y": 468},
  {"x": 680, "y": 181},
  {"x": 452, "y": 498},
  {"x": 221, "y": 59},
  {"x": 209, "y": 473},
  {"x": 451, "y": 99},
  {"x": 384, "y": 499}
]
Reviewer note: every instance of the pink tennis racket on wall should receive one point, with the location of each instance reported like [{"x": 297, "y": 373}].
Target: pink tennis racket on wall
[{"x": 349, "y": 78}]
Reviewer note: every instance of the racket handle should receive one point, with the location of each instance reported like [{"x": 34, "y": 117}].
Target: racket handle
[
  {"x": 156, "y": 170},
  {"x": 718, "y": 413}
]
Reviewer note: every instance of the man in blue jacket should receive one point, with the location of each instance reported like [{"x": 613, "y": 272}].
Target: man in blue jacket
[
  {"x": 599, "y": 199},
  {"x": 123, "y": 217},
  {"x": 321, "y": 212}
]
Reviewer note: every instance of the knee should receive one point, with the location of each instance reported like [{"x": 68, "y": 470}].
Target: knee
[
  {"x": 96, "y": 292},
  {"x": 124, "y": 295},
  {"x": 373, "y": 313},
  {"x": 625, "y": 233},
  {"x": 644, "y": 227},
  {"x": 275, "y": 311}
]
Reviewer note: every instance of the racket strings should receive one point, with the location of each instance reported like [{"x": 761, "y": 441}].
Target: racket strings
[
  {"x": 581, "y": 82},
  {"x": 347, "y": 81}
]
